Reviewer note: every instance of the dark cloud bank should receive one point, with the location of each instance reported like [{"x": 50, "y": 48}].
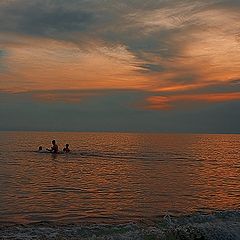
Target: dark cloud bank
[{"x": 114, "y": 112}]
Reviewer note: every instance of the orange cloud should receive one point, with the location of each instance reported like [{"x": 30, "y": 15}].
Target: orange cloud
[
  {"x": 168, "y": 102},
  {"x": 44, "y": 64},
  {"x": 206, "y": 43},
  {"x": 207, "y": 54}
]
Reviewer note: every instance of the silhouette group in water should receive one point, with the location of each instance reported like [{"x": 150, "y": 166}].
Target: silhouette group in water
[{"x": 54, "y": 148}]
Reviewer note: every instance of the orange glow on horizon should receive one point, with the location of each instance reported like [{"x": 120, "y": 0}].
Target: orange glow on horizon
[{"x": 167, "y": 102}]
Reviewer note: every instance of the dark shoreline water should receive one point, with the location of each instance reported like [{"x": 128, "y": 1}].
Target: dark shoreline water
[{"x": 216, "y": 226}]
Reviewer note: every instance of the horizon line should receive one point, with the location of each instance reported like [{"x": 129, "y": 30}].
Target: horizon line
[{"x": 124, "y": 132}]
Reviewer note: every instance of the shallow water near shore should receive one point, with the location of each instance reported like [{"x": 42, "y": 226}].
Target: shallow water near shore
[{"x": 116, "y": 177}]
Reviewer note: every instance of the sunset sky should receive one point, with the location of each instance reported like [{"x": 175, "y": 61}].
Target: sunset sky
[{"x": 130, "y": 65}]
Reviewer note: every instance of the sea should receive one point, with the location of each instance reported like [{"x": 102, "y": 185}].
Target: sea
[{"x": 119, "y": 186}]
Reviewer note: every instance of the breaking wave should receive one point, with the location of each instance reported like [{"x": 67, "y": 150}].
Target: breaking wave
[{"x": 224, "y": 225}]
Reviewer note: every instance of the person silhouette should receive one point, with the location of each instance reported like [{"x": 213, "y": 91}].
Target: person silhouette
[
  {"x": 40, "y": 149},
  {"x": 66, "y": 149},
  {"x": 54, "y": 148}
]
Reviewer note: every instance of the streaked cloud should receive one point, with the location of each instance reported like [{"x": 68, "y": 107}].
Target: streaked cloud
[{"x": 46, "y": 64}]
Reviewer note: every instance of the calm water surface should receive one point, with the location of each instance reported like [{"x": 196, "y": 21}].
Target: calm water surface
[{"x": 115, "y": 177}]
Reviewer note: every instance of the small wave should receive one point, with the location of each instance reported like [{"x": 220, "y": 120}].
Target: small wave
[
  {"x": 86, "y": 154},
  {"x": 117, "y": 155},
  {"x": 216, "y": 226}
]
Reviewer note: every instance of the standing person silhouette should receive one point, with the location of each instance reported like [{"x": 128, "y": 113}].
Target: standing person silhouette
[{"x": 54, "y": 148}]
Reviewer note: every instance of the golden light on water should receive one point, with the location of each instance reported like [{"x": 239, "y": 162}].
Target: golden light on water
[{"x": 117, "y": 177}]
